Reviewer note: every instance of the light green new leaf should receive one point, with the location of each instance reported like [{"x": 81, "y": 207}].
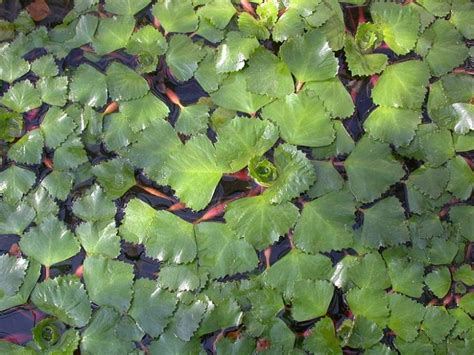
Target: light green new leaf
[
  {"x": 113, "y": 33},
  {"x": 322, "y": 339},
  {"x": 99, "y": 238},
  {"x": 370, "y": 272},
  {"x": 406, "y": 316},
  {"x": 11, "y": 125},
  {"x": 141, "y": 112},
  {"x": 295, "y": 174},
  {"x": 309, "y": 57},
  {"x": 326, "y": 223},
  {"x": 302, "y": 119},
  {"x": 369, "y": 303},
  {"x": 361, "y": 64},
  {"x": 268, "y": 75},
  {"x": 259, "y": 222},
  {"x": 59, "y": 184},
  {"x": 53, "y": 90},
  {"x": 461, "y": 178},
  {"x": 21, "y": 97},
  {"x": 221, "y": 252},
  {"x": 49, "y": 242},
  {"x": 88, "y": 87},
  {"x": 170, "y": 239},
  {"x": 70, "y": 154},
  {"x": 116, "y": 176},
  {"x": 312, "y": 299},
  {"x": 439, "y": 281},
  {"x": 402, "y": 85},
  {"x": 124, "y": 83},
  {"x": 194, "y": 164},
  {"x": 251, "y": 27},
  {"x": 176, "y": 15},
  {"x": 242, "y": 139},
  {"x": 109, "y": 282},
  {"x": 94, "y": 205},
  {"x": 183, "y": 57},
  {"x": 125, "y": 7},
  {"x": 14, "y": 219},
  {"x": 233, "y": 94},
  {"x": 218, "y": 12},
  {"x": 437, "y": 323},
  {"x": 385, "y": 224},
  {"x": 152, "y": 306},
  {"x": 12, "y": 275},
  {"x": 65, "y": 298},
  {"x": 56, "y": 127},
  {"x": 392, "y": 125},
  {"x": 442, "y": 46},
  {"x": 45, "y": 66},
  {"x": 371, "y": 169},
  {"x": 15, "y": 182},
  {"x": 234, "y": 51},
  {"x": 294, "y": 267},
  {"x": 399, "y": 25},
  {"x": 335, "y": 97}
]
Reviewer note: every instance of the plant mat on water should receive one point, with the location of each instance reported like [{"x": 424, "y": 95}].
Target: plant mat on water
[{"x": 270, "y": 176}]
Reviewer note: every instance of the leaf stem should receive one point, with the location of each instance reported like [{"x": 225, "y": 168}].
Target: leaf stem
[
  {"x": 155, "y": 192},
  {"x": 299, "y": 86},
  {"x": 247, "y": 7},
  {"x": 267, "y": 253},
  {"x": 46, "y": 272},
  {"x": 173, "y": 97}
]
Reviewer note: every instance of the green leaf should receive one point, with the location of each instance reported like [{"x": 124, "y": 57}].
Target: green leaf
[
  {"x": 420, "y": 345},
  {"x": 364, "y": 333},
  {"x": 194, "y": 164},
  {"x": 234, "y": 51},
  {"x": 392, "y": 125},
  {"x": 371, "y": 169},
  {"x": 171, "y": 239},
  {"x": 461, "y": 13},
  {"x": 461, "y": 218},
  {"x": 302, "y": 119},
  {"x": 193, "y": 119},
  {"x": 99, "y": 238},
  {"x": 436, "y": 7},
  {"x": 139, "y": 221},
  {"x": 461, "y": 178},
  {"x": 28, "y": 149},
  {"x": 124, "y": 83},
  {"x": 309, "y": 57},
  {"x": 147, "y": 40},
  {"x": 141, "y": 112},
  {"x": 437, "y": 147},
  {"x": 53, "y": 90},
  {"x": 109, "y": 282},
  {"x": 467, "y": 303},
  {"x": 49, "y": 242},
  {"x": 65, "y": 298},
  {"x": 56, "y": 127},
  {"x": 334, "y": 96},
  {"x": 224, "y": 314},
  {"x": 116, "y": 176},
  {"x": 437, "y": 323},
  {"x": 399, "y": 25},
  {"x": 342, "y": 145},
  {"x": 369, "y": 303},
  {"x": 125, "y": 7},
  {"x": 370, "y": 272},
  {"x": 221, "y": 253},
  {"x": 183, "y": 56},
  {"x": 152, "y": 306},
  {"x": 11, "y": 67},
  {"x": 88, "y": 86},
  {"x": 218, "y": 12},
  {"x": 442, "y": 46},
  {"x": 59, "y": 184},
  {"x": 268, "y": 75},
  {"x": 45, "y": 66},
  {"x": 430, "y": 181},
  {"x": 117, "y": 133},
  {"x": 11, "y": 125},
  {"x": 42, "y": 204},
  {"x": 242, "y": 139},
  {"x": 407, "y": 277},
  {"x": 233, "y": 94},
  {"x": 12, "y": 276},
  {"x": 15, "y": 182},
  {"x": 439, "y": 281},
  {"x": 464, "y": 274},
  {"x": 402, "y": 85},
  {"x": 21, "y": 97},
  {"x": 333, "y": 216},
  {"x": 361, "y": 64},
  {"x": 385, "y": 224},
  {"x": 15, "y": 218},
  {"x": 186, "y": 320},
  {"x": 295, "y": 174},
  {"x": 294, "y": 267},
  {"x": 329, "y": 179},
  {"x": 303, "y": 303},
  {"x": 70, "y": 154},
  {"x": 259, "y": 222},
  {"x": 289, "y": 25},
  {"x": 176, "y": 16},
  {"x": 251, "y": 27},
  {"x": 103, "y": 333},
  {"x": 406, "y": 316},
  {"x": 184, "y": 277},
  {"x": 94, "y": 206},
  {"x": 113, "y": 33}
]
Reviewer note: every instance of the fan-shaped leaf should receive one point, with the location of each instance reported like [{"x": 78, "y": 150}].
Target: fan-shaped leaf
[{"x": 124, "y": 83}]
